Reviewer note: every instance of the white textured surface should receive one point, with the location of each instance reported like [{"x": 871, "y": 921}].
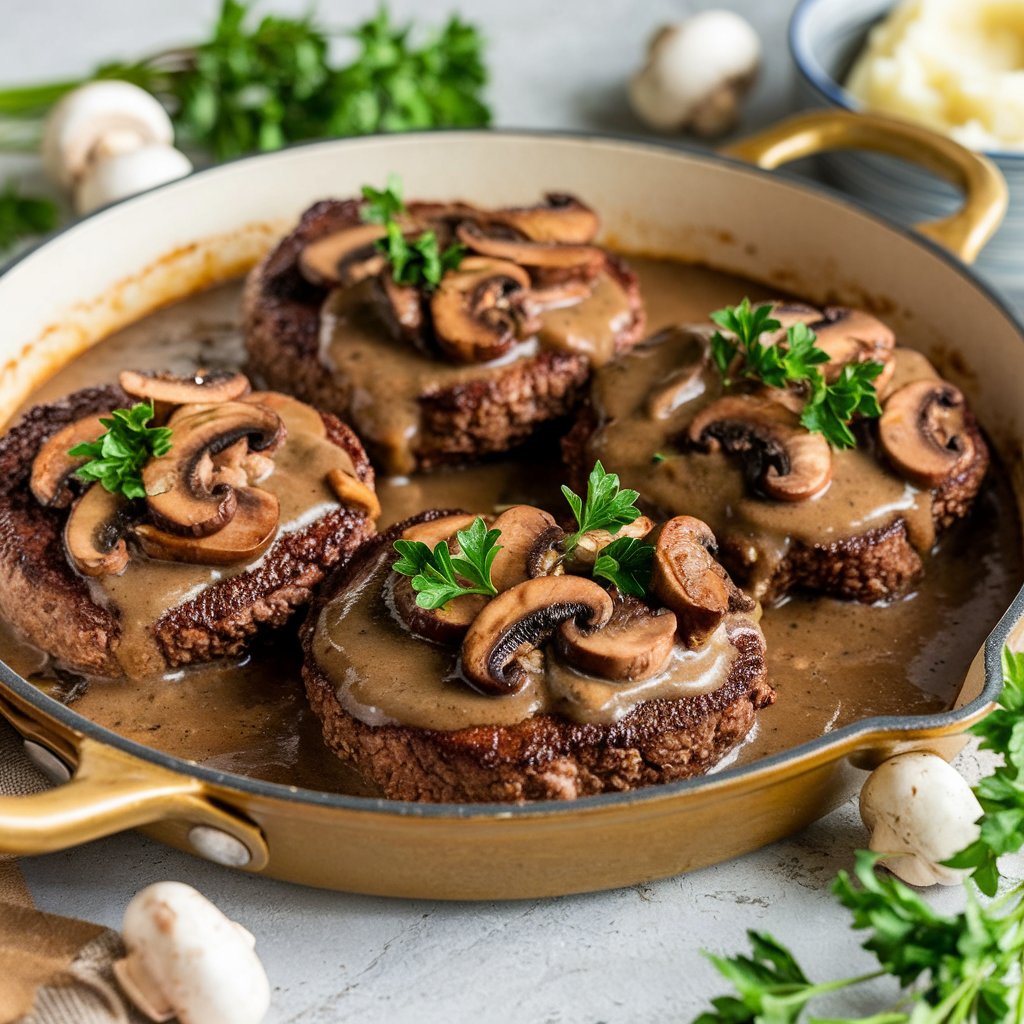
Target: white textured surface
[{"x": 624, "y": 956}]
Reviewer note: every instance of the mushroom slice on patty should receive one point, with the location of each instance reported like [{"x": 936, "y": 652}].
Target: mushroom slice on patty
[
  {"x": 781, "y": 458},
  {"x": 180, "y": 491},
  {"x": 550, "y": 259},
  {"x": 448, "y": 624},
  {"x": 249, "y": 533},
  {"x": 296, "y": 416},
  {"x": 400, "y": 306},
  {"x": 593, "y": 542},
  {"x": 688, "y": 579},
  {"x": 923, "y": 431},
  {"x": 519, "y": 620},
  {"x": 855, "y": 336},
  {"x": 343, "y": 257},
  {"x": 94, "y": 533},
  {"x": 53, "y": 466},
  {"x": 167, "y": 389},
  {"x": 634, "y": 644},
  {"x": 527, "y": 545},
  {"x": 477, "y": 308}
]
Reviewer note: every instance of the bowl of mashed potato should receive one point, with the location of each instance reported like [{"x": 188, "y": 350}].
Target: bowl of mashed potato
[{"x": 954, "y": 66}]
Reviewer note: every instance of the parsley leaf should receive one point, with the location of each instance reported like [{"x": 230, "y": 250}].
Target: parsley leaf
[
  {"x": 419, "y": 262},
  {"x": 22, "y": 215},
  {"x": 383, "y": 205},
  {"x": 829, "y": 408},
  {"x": 627, "y": 562},
  {"x": 607, "y": 507},
  {"x": 1000, "y": 794},
  {"x": 117, "y": 456},
  {"x": 437, "y": 575}
]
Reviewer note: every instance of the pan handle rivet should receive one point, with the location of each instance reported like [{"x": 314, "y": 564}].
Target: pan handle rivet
[
  {"x": 219, "y": 846},
  {"x": 47, "y": 762}
]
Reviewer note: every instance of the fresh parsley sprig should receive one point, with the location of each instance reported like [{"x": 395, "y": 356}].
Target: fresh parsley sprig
[
  {"x": 383, "y": 205},
  {"x": 607, "y": 506},
  {"x": 258, "y": 85},
  {"x": 953, "y": 969},
  {"x": 22, "y": 216},
  {"x": 117, "y": 456},
  {"x": 829, "y": 408},
  {"x": 437, "y": 576},
  {"x": 627, "y": 562},
  {"x": 419, "y": 262}
]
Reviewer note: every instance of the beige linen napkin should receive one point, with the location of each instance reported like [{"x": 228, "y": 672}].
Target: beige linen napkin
[{"x": 53, "y": 970}]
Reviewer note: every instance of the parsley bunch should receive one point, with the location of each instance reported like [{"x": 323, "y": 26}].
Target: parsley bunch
[
  {"x": 420, "y": 261},
  {"x": 829, "y": 408},
  {"x": 258, "y": 86},
  {"x": 21, "y": 216},
  {"x": 116, "y": 457},
  {"x": 953, "y": 969},
  {"x": 437, "y": 576}
]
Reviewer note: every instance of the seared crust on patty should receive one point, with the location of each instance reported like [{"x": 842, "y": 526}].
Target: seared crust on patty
[
  {"x": 874, "y": 565},
  {"x": 51, "y": 604},
  {"x": 492, "y": 413},
  {"x": 544, "y": 757}
]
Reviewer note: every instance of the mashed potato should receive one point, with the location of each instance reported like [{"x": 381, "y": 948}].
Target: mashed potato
[{"x": 953, "y": 65}]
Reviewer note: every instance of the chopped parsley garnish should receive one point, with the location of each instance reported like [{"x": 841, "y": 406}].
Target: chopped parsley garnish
[
  {"x": 829, "y": 408},
  {"x": 384, "y": 204},
  {"x": 117, "y": 456},
  {"x": 607, "y": 506},
  {"x": 627, "y": 562}
]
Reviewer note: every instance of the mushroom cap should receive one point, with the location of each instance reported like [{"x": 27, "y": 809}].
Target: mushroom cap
[
  {"x": 922, "y": 811},
  {"x": 80, "y": 120},
  {"x": 93, "y": 533},
  {"x": 923, "y": 431},
  {"x": 781, "y": 458},
  {"x": 126, "y": 174},
  {"x": 201, "y": 386},
  {"x": 526, "y": 534},
  {"x": 634, "y": 644},
  {"x": 583, "y": 261},
  {"x": 343, "y": 257},
  {"x": 52, "y": 467},
  {"x": 475, "y": 308},
  {"x": 184, "y": 954},
  {"x": 518, "y": 620}
]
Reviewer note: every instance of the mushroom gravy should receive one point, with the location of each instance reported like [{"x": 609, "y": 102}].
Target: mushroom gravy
[{"x": 831, "y": 662}]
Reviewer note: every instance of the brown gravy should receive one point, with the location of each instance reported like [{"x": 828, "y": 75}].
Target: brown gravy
[{"x": 831, "y": 662}]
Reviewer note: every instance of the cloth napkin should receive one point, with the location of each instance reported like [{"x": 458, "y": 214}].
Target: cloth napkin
[{"x": 53, "y": 970}]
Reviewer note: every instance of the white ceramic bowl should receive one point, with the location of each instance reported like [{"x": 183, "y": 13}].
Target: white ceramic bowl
[{"x": 824, "y": 38}]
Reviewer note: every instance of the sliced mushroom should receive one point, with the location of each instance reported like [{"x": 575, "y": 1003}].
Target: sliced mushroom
[
  {"x": 343, "y": 257},
  {"x": 924, "y": 433},
  {"x": 400, "y": 306},
  {"x": 94, "y": 533},
  {"x": 688, "y": 579},
  {"x": 180, "y": 491},
  {"x": 445, "y": 625},
  {"x": 678, "y": 388},
  {"x": 855, "y": 336},
  {"x": 517, "y": 621},
  {"x": 634, "y": 644},
  {"x": 476, "y": 309},
  {"x": 781, "y": 459},
  {"x": 593, "y": 542},
  {"x": 52, "y": 467},
  {"x": 167, "y": 389},
  {"x": 297, "y": 417},
  {"x": 249, "y": 533},
  {"x": 528, "y": 537},
  {"x": 353, "y": 493},
  {"x": 560, "y": 218},
  {"x": 570, "y": 261},
  {"x": 236, "y": 466}
]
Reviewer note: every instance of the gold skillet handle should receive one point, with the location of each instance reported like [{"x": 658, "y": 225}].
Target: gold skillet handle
[
  {"x": 983, "y": 186},
  {"x": 111, "y": 791}
]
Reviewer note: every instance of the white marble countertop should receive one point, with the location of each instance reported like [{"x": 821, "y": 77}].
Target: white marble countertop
[{"x": 621, "y": 956}]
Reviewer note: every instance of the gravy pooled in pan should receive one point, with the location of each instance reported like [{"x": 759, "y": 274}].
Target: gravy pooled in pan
[{"x": 831, "y": 662}]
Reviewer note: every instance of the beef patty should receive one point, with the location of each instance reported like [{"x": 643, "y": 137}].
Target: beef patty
[
  {"x": 545, "y": 756},
  {"x": 57, "y": 610},
  {"x": 490, "y": 408}
]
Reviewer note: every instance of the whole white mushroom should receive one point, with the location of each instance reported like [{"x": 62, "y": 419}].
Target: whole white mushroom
[
  {"x": 921, "y": 810},
  {"x": 107, "y": 140},
  {"x": 187, "y": 960},
  {"x": 697, "y": 73}
]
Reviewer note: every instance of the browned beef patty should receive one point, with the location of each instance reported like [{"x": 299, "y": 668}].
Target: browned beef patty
[
  {"x": 874, "y": 565},
  {"x": 544, "y": 757},
  {"x": 43, "y": 597},
  {"x": 489, "y": 414}
]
